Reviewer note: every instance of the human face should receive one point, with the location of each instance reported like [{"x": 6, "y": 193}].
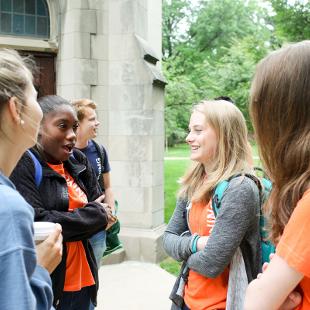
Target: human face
[
  {"x": 31, "y": 116},
  {"x": 58, "y": 134},
  {"x": 201, "y": 138},
  {"x": 88, "y": 126}
]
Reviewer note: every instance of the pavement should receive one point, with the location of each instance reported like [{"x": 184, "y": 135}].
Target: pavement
[{"x": 134, "y": 285}]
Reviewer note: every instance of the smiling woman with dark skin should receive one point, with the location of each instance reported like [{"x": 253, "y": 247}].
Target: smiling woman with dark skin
[{"x": 67, "y": 194}]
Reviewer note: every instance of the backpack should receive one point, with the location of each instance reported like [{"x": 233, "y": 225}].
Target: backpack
[
  {"x": 101, "y": 156},
  {"x": 264, "y": 185}
]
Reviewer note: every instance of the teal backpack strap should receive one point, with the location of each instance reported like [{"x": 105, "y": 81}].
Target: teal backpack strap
[
  {"x": 219, "y": 192},
  {"x": 218, "y": 195}
]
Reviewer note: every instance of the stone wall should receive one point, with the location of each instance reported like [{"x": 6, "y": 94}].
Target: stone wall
[{"x": 109, "y": 50}]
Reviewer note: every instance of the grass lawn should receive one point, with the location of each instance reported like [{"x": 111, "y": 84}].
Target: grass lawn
[
  {"x": 174, "y": 169},
  {"x": 176, "y": 163},
  {"x": 180, "y": 150}
]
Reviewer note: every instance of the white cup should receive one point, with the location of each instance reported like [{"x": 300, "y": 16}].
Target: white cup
[{"x": 42, "y": 230}]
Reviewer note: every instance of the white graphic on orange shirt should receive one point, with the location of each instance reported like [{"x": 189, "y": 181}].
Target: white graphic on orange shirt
[
  {"x": 71, "y": 183},
  {"x": 210, "y": 218}
]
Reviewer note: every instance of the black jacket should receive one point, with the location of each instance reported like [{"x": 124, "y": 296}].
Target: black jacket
[{"x": 50, "y": 201}]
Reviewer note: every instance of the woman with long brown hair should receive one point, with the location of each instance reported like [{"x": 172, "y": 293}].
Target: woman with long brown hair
[{"x": 280, "y": 109}]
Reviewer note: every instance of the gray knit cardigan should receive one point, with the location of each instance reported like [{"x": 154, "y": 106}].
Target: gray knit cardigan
[{"x": 236, "y": 226}]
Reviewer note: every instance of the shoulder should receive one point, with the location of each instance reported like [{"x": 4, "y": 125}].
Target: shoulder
[
  {"x": 100, "y": 148},
  {"x": 243, "y": 191},
  {"x": 25, "y": 167},
  {"x": 182, "y": 203},
  {"x": 243, "y": 184},
  {"x": 301, "y": 214},
  {"x": 78, "y": 156},
  {"x": 16, "y": 218},
  {"x": 13, "y": 203},
  {"x": 25, "y": 161}
]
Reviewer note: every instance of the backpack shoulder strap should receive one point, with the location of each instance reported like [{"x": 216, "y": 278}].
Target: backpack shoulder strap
[
  {"x": 37, "y": 169},
  {"x": 218, "y": 195},
  {"x": 100, "y": 152},
  {"x": 101, "y": 155},
  {"x": 221, "y": 188}
]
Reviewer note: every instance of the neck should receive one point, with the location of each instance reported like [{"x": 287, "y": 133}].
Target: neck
[
  {"x": 81, "y": 143},
  {"x": 9, "y": 157}
]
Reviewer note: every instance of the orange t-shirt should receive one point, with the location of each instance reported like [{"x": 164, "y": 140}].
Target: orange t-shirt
[
  {"x": 202, "y": 293},
  {"x": 78, "y": 273},
  {"x": 294, "y": 245}
]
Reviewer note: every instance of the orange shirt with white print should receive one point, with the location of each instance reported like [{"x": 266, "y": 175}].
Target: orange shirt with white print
[
  {"x": 202, "y": 293},
  {"x": 294, "y": 245},
  {"x": 78, "y": 273}
]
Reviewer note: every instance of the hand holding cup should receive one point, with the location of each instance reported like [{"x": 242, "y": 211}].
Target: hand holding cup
[{"x": 49, "y": 251}]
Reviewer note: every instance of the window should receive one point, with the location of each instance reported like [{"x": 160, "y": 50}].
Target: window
[{"x": 26, "y": 18}]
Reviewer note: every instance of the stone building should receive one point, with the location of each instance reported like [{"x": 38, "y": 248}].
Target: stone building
[{"x": 109, "y": 51}]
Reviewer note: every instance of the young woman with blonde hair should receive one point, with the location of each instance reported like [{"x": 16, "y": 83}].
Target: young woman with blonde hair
[
  {"x": 280, "y": 108},
  {"x": 207, "y": 244},
  {"x": 24, "y": 269}
]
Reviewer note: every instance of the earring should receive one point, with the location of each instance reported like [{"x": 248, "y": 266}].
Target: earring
[{"x": 22, "y": 122}]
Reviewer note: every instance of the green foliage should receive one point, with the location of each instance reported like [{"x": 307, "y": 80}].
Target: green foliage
[
  {"x": 217, "y": 54},
  {"x": 219, "y": 22},
  {"x": 292, "y": 22},
  {"x": 174, "y": 12}
]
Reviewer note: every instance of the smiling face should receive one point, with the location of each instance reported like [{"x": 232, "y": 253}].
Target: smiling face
[
  {"x": 58, "y": 133},
  {"x": 88, "y": 126},
  {"x": 201, "y": 138}
]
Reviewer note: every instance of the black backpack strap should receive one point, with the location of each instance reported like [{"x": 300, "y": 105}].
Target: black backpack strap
[{"x": 102, "y": 157}]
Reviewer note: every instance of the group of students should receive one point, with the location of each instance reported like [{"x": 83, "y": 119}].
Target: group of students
[
  {"x": 50, "y": 172},
  {"x": 221, "y": 249},
  {"x": 62, "y": 270}
]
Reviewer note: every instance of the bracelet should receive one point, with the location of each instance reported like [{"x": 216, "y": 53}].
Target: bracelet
[{"x": 194, "y": 244}]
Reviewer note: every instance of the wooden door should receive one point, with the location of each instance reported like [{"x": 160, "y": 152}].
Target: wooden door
[{"x": 45, "y": 77}]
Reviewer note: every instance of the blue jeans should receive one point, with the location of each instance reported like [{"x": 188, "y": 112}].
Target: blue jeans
[
  {"x": 79, "y": 300},
  {"x": 98, "y": 243}
]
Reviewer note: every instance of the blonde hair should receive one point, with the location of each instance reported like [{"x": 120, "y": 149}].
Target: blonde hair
[
  {"x": 280, "y": 109},
  {"x": 231, "y": 155},
  {"x": 80, "y": 106},
  {"x": 15, "y": 75}
]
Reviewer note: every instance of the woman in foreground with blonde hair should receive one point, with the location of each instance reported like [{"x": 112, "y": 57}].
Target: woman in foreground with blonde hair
[
  {"x": 24, "y": 270},
  {"x": 206, "y": 243}
]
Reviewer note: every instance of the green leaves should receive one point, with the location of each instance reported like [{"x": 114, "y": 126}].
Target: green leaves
[
  {"x": 216, "y": 53},
  {"x": 292, "y": 22}
]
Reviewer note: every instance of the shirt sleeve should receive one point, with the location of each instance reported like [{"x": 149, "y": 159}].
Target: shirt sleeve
[
  {"x": 24, "y": 284},
  {"x": 177, "y": 238},
  {"x": 294, "y": 245}
]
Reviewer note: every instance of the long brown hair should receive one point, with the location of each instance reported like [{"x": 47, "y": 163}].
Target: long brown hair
[
  {"x": 280, "y": 109},
  {"x": 231, "y": 156}
]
